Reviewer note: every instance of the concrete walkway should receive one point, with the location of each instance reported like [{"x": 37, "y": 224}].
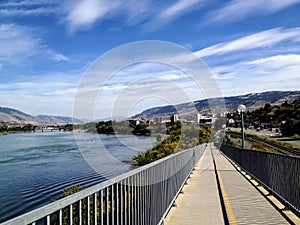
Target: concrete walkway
[{"x": 200, "y": 203}]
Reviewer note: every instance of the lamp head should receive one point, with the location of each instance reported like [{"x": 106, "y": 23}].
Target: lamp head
[{"x": 242, "y": 109}]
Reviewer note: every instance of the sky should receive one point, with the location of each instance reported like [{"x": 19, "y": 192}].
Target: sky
[{"x": 47, "y": 47}]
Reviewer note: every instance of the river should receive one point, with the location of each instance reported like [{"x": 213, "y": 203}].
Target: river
[{"x": 36, "y": 167}]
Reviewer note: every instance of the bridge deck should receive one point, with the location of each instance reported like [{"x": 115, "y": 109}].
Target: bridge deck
[{"x": 200, "y": 203}]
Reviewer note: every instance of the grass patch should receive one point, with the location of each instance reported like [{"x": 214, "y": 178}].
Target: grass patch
[
  {"x": 263, "y": 138},
  {"x": 295, "y": 136}
]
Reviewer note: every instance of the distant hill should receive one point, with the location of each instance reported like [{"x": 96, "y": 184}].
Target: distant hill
[
  {"x": 58, "y": 119},
  {"x": 9, "y": 115},
  {"x": 251, "y": 101},
  {"x": 16, "y": 116}
]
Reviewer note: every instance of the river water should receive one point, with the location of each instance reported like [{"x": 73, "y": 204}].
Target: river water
[{"x": 36, "y": 167}]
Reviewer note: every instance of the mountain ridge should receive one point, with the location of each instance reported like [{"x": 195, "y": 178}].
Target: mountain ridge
[
  {"x": 252, "y": 101},
  {"x": 10, "y": 115}
]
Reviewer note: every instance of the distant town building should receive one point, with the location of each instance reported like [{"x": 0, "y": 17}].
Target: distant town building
[
  {"x": 133, "y": 122},
  {"x": 206, "y": 120},
  {"x": 174, "y": 118},
  {"x": 158, "y": 119},
  {"x": 198, "y": 118}
]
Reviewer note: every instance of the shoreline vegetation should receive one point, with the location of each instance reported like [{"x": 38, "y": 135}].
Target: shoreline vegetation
[
  {"x": 27, "y": 128},
  {"x": 180, "y": 136},
  {"x": 171, "y": 136}
]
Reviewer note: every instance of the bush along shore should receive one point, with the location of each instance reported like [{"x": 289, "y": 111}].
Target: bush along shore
[
  {"x": 171, "y": 136},
  {"x": 180, "y": 136}
]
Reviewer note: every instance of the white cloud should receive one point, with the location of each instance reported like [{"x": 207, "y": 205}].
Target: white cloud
[
  {"x": 21, "y": 12},
  {"x": 20, "y": 3},
  {"x": 121, "y": 102},
  {"x": 85, "y": 13},
  {"x": 136, "y": 11},
  {"x": 54, "y": 97},
  {"x": 28, "y": 8},
  {"x": 15, "y": 42},
  {"x": 239, "y": 9},
  {"x": 18, "y": 42},
  {"x": 176, "y": 10},
  {"x": 279, "y": 72},
  {"x": 278, "y": 61},
  {"x": 266, "y": 38},
  {"x": 60, "y": 57}
]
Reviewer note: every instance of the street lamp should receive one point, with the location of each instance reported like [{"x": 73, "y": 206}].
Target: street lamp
[
  {"x": 241, "y": 110},
  {"x": 224, "y": 136}
]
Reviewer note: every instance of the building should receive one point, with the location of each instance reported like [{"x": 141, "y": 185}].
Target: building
[
  {"x": 174, "y": 118},
  {"x": 198, "y": 118}
]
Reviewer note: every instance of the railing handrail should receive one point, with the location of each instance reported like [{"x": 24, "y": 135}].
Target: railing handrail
[{"x": 36, "y": 214}]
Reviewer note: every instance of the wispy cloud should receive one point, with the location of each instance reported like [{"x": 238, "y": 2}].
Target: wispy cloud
[
  {"x": 153, "y": 15},
  {"x": 279, "y": 72},
  {"x": 83, "y": 14},
  {"x": 18, "y": 43},
  {"x": 278, "y": 61},
  {"x": 28, "y": 8},
  {"x": 22, "y": 3},
  {"x": 49, "y": 94},
  {"x": 172, "y": 12},
  {"x": 58, "y": 57},
  {"x": 15, "y": 42},
  {"x": 28, "y": 12},
  {"x": 262, "y": 39},
  {"x": 237, "y": 9}
]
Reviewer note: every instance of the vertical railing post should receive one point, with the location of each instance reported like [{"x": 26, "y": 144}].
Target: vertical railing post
[
  {"x": 95, "y": 208},
  {"x": 48, "y": 220},
  {"x": 135, "y": 199},
  {"x": 80, "y": 212},
  {"x": 101, "y": 208},
  {"x": 132, "y": 199},
  {"x": 125, "y": 201},
  {"x": 122, "y": 208},
  {"x": 112, "y": 205},
  {"x": 87, "y": 210},
  {"x": 60, "y": 217},
  {"x": 71, "y": 214},
  {"x": 117, "y": 204},
  {"x": 107, "y": 205}
]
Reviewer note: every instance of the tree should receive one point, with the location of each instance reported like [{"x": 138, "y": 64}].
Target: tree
[
  {"x": 75, "y": 212},
  {"x": 287, "y": 128}
]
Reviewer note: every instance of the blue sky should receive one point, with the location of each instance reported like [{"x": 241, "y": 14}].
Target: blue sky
[{"x": 47, "y": 45}]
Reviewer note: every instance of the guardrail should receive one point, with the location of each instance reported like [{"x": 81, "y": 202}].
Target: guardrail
[
  {"x": 279, "y": 173},
  {"x": 140, "y": 197}
]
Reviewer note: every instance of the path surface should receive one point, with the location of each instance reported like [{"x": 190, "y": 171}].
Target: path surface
[{"x": 200, "y": 203}]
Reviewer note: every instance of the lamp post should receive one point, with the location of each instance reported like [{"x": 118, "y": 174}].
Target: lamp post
[
  {"x": 224, "y": 136},
  {"x": 241, "y": 110}
]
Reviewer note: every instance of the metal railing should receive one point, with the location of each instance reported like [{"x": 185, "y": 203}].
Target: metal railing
[
  {"x": 139, "y": 197},
  {"x": 279, "y": 173}
]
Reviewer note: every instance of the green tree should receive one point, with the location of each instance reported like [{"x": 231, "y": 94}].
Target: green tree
[{"x": 287, "y": 128}]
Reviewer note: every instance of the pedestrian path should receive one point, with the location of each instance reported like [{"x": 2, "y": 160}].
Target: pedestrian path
[{"x": 200, "y": 203}]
